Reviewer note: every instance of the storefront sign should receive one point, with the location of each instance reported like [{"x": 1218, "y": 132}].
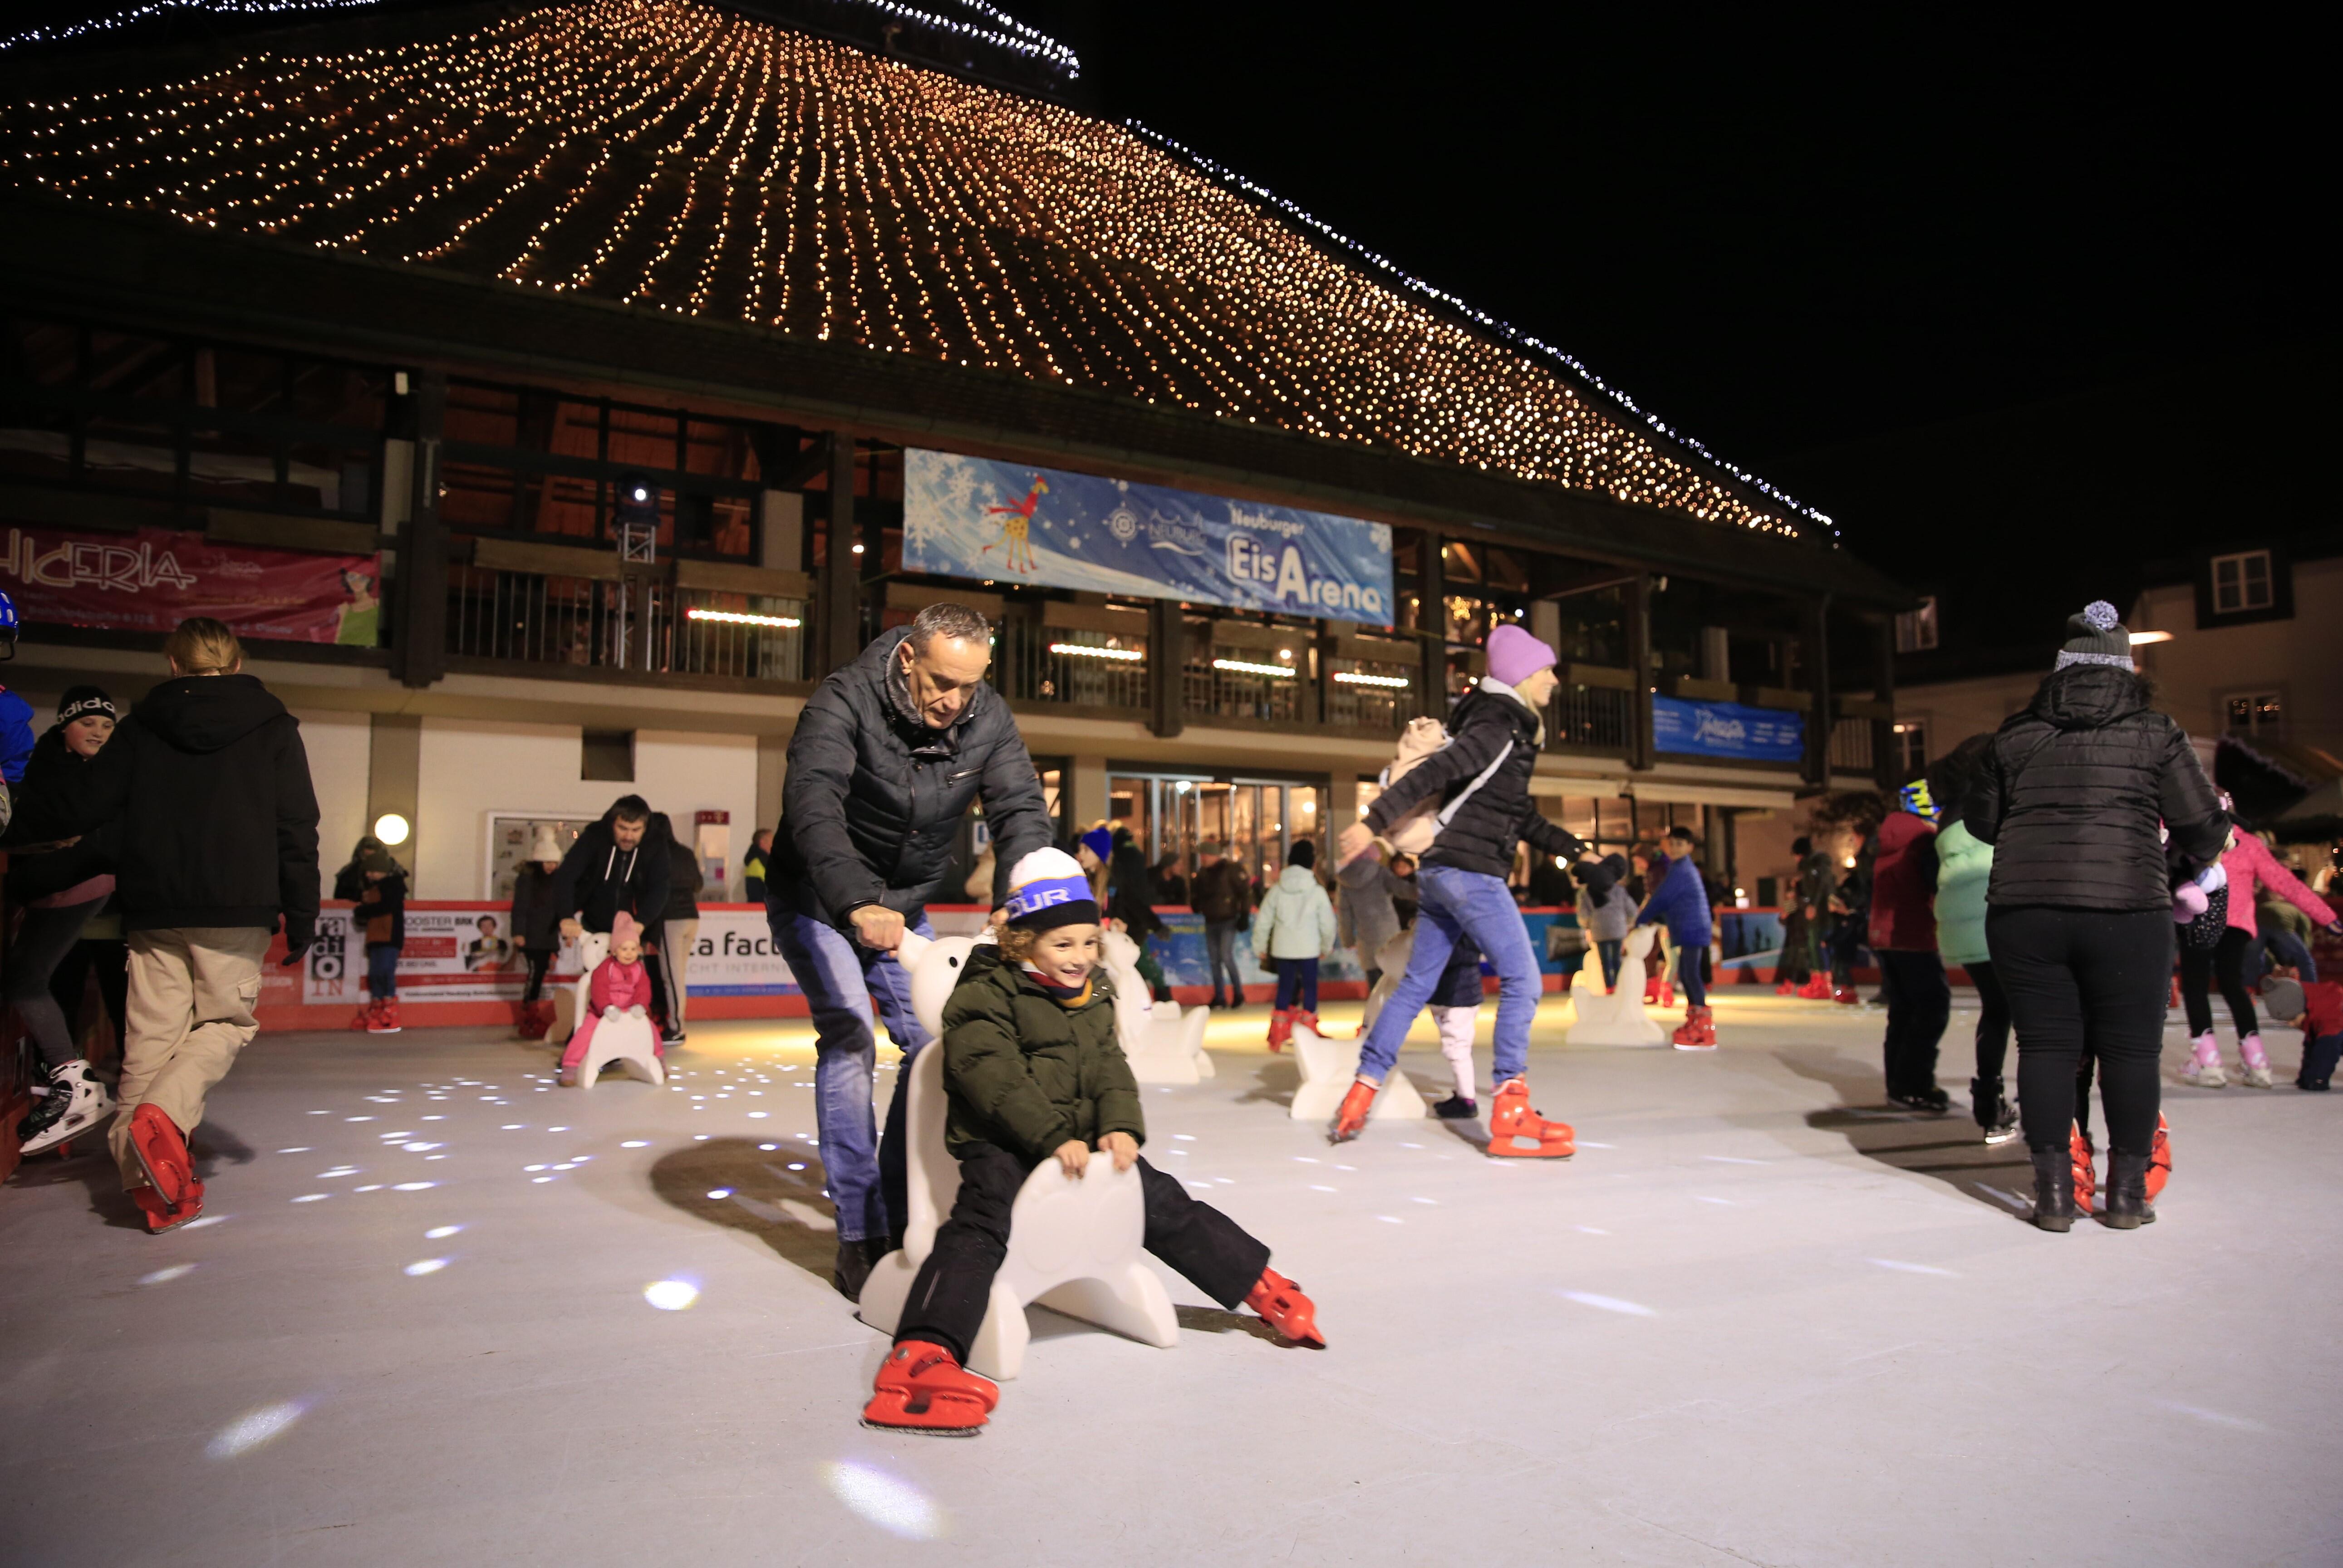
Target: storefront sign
[
  {"x": 1727, "y": 729},
  {"x": 1008, "y": 522},
  {"x": 151, "y": 580}
]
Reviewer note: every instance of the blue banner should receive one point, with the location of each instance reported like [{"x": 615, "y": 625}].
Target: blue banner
[
  {"x": 1727, "y": 729},
  {"x": 1011, "y": 522}
]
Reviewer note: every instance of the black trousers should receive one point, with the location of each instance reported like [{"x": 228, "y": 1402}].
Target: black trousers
[
  {"x": 110, "y": 958},
  {"x": 539, "y": 960},
  {"x": 1919, "y": 1005},
  {"x": 2085, "y": 986},
  {"x": 1993, "y": 1020},
  {"x": 2227, "y": 962},
  {"x": 948, "y": 1300}
]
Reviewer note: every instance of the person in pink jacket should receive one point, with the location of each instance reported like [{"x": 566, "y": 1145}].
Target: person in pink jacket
[
  {"x": 2249, "y": 867},
  {"x": 619, "y": 984}
]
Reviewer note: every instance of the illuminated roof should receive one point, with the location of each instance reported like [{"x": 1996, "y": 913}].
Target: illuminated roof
[{"x": 680, "y": 158}]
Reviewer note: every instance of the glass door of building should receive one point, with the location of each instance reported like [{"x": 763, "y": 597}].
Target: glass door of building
[{"x": 1255, "y": 820}]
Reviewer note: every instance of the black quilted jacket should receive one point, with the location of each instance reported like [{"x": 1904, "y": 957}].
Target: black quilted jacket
[
  {"x": 2072, "y": 790},
  {"x": 1482, "y": 777}
]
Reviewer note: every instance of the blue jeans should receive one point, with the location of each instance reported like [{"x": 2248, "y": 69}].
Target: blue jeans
[
  {"x": 1297, "y": 980},
  {"x": 843, "y": 982},
  {"x": 1460, "y": 908},
  {"x": 1221, "y": 951},
  {"x": 1608, "y": 951},
  {"x": 382, "y": 970}
]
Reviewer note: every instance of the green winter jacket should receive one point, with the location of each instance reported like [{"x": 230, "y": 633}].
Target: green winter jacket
[
  {"x": 1027, "y": 1073},
  {"x": 1963, "y": 867}
]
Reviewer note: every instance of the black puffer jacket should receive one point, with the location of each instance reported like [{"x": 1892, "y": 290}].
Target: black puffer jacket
[
  {"x": 596, "y": 879},
  {"x": 55, "y": 775},
  {"x": 1493, "y": 733},
  {"x": 219, "y": 822},
  {"x": 874, "y": 797},
  {"x": 2072, "y": 789}
]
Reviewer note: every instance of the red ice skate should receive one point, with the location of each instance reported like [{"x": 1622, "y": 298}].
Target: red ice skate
[
  {"x": 162, "y": 1216},
  {"x": 1816, "y": 989},
  {"x": 1284, "y": 1308},
  {"x": 1513, "y": 1124},
  {"x": 364, "y": 1017},
  {"x": 1280, "y": 1028},
  {"x": 386, "y": 1016},
  {"x": 162, "y": 1153},
  {"x": 2159, "y": 1158},
  {"x": 1698, "y": 1030},
  {"x": 921, "y": 1388},
  {"x": 2086, "y": 1182}
]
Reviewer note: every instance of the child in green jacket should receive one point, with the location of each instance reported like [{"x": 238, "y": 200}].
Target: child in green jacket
[{"x": 1033, "y": 1071}]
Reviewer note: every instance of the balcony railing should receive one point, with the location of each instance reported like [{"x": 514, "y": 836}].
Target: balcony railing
[
  {"x": 1597, "y": 719},
  {"x": 1245, "y": 684},
  {"x": 633, "y": 624},
  {"x": 1850, "y": 746},
  {"x": 1369, "y": 694},
  {"x": 1034, "y": 663}
]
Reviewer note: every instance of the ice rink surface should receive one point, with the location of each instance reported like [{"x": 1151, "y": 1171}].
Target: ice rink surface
[{"x": 440, "y": 1313}]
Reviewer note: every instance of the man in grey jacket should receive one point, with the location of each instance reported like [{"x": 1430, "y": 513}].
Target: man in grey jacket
[{"x": 888, "y": 757}]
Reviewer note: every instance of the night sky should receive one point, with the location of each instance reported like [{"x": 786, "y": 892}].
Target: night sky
[{"x": 1788, "y": 239}]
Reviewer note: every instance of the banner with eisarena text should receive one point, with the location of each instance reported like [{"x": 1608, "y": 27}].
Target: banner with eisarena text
[
  {"x": 973, "y": 518},
  {"x": 1727, "y": 729}
]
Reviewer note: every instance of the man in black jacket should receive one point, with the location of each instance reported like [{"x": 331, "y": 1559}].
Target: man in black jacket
[
  {"x": 219, "y": 840},
  {"x": 1479, "y": 779},
  {"x": 888, "y": 755},
  {"x": 618, "y": 865}
]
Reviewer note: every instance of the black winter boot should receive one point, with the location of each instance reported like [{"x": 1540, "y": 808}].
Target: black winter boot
[
  {"x": 2128, "y": 1208},
  {"x": 2054, "y": 1189},
  {"x": 1996, "y": 1117},
  {"x": 854, "y": 1263}
]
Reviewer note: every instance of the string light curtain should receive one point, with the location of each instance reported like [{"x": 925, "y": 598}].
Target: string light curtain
[{"x": 680, "y": 157}]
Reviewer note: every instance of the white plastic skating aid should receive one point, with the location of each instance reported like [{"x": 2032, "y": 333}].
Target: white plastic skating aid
[
  {"x": 1163, "y": 1046},
  {"x": 1328, "y": 1068},
  {"x": 628, "y": 1039},
  {"x": 1619, "y": 1018},
  {"x": 1075, "y": 1246}
]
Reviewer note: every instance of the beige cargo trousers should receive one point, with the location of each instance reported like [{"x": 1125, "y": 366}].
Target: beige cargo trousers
[{"x": 193, "y": 992}]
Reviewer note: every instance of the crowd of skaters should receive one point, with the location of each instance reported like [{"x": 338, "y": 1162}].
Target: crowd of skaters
[{"x": 2054, "y": 861}]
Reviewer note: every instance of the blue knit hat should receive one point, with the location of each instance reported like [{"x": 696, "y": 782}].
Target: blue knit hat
[
  {"x": 1047, "y": 888},
  {"x": 1098, "y": 841}
]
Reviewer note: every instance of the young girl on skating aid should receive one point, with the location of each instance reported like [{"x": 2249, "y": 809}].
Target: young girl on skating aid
[
  {"x": 619, "y": 984},
  {"x": 1033, "y": 1071}
]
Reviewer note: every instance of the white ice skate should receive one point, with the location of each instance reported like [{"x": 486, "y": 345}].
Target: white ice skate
[{"x": 86, "y": 1104}]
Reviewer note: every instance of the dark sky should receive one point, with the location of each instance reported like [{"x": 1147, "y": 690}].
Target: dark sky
[{"x": 1778, "y": 236}]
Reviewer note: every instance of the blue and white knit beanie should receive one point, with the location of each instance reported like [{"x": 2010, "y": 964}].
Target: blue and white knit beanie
[
  {"x": 1047, "y": 888},
  {"x": 2095, "y": 637}
]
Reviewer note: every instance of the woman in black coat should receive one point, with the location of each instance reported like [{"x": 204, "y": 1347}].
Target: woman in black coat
[{"x": 2079, "y": 914}]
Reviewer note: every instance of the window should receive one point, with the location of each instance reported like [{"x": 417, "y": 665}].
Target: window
[
  {"x": 1911, "y": 747},
  {"x": 2242, "y": 582},
  {"x": 607, "y": 755},
  {"x": 2259, "y": 713},
  {"x": 1915, "y": 630}
]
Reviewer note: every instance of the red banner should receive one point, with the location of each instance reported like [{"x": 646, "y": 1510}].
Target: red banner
[{"x": 155, "y": 578}]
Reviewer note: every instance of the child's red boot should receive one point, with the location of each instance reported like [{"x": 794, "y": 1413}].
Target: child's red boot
[
  {"x": 386, "y": 1016},
  {"x": 921, "y": 1388},
  {"x": 1651, "y": 991},
  {"x": 2159, "y": 1158},
  {"x": 364, "y": 1017},
  {"x": 1698, "y": 1030},
  {"x": 1280, "y": 1028},
  {"x": 1350, "y": 1118},
  {"x": 1302, "y": 1018},
  {"x": 1282, "y": 1306},
  {"x": 1518, "y": 1132}
]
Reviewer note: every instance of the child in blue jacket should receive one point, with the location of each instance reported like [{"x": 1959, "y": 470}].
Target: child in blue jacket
[{"x": 1679, "y": 902}]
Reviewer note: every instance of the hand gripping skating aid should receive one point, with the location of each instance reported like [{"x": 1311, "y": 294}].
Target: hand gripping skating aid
[
  {"x": 921, "y": 1388},
  {"x": 1350, "y": 1118},
  {"x": 2086, "y": 1182},
  {"x": 1518, "y": 1132},
  {"x": 1283, "y": 1307}
]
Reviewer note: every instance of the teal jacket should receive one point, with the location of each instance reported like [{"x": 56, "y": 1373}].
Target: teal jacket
[{"x": 1963, "y": 867}]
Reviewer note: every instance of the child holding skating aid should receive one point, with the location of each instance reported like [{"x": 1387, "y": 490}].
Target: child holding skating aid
[
  {"x": 1033, "y": 1071},
  {"x": 619, "y": 984},
  {"x": 2316, "y": 1008}
]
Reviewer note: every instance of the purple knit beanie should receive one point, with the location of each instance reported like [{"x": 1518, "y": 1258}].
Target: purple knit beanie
[{"x": 1514, "y": 654}]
